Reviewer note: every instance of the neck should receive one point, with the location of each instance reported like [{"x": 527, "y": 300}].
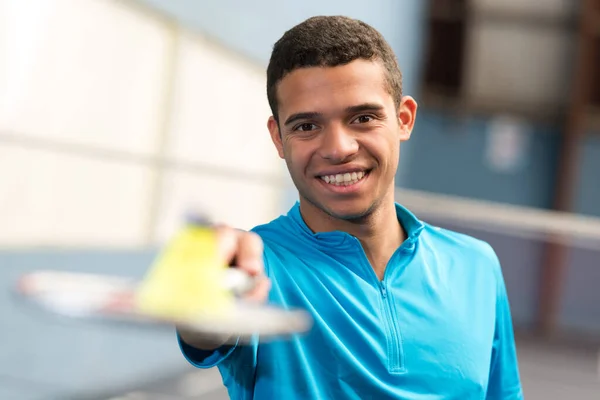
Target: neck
[{"x": 379, "y": 232}]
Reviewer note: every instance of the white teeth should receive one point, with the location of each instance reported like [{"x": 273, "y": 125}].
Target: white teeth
[{"x": 345, "y": 179}]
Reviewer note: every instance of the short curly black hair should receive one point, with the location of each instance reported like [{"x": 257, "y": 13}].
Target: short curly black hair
[{"x": 329, "y": 41}]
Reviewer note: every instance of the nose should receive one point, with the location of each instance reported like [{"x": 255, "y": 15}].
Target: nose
[{"x": 337, "y": 144}]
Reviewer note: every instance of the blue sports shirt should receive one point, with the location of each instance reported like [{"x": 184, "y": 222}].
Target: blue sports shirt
[{"x": 438, "y": 326}]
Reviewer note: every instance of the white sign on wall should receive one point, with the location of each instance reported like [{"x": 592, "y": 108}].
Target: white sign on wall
[{"x": 508, "y": 144}]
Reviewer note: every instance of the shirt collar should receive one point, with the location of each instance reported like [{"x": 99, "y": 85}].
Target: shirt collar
[{"x": 410, "y": 223}]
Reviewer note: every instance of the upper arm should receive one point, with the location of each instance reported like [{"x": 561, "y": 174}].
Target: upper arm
[{"x": 504, "y": 379}]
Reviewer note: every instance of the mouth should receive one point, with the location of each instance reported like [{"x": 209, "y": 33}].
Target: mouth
[{"x": 345, "y": 179}]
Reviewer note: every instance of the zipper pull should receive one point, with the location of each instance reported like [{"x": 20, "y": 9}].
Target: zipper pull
[{"x": 383, "y": 289}]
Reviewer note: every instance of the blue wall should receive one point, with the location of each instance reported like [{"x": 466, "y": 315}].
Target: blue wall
[
  {"x": 448, "y": 156},
  {"x": 588, "y": 184}
]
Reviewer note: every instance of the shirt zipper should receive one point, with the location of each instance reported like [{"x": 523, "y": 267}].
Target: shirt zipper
[{"x": 393, "y": 335}]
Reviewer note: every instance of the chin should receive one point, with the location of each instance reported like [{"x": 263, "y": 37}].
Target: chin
[
  {"x": 348, "y": 212},
  {"x": 355, "y": 208}
]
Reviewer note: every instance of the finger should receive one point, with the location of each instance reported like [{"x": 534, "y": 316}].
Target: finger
[
  {"x": 227, "y": 243},
  {"x": 260, "y": 292},
  {"x": 249, "y": 255}
]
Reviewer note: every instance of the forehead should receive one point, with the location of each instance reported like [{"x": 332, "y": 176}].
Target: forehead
[{"x": 327, "y": 88}]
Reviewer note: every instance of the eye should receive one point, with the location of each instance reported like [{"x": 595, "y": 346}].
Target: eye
[
  {"x": 305, "y": 127},
  {"x": 363, "y": 119}
]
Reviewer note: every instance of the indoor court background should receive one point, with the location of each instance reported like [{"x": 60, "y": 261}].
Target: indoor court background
[{"x": 117, "y": 117}]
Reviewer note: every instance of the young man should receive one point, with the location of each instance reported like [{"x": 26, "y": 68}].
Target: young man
[{"x": 402, "y": 309}]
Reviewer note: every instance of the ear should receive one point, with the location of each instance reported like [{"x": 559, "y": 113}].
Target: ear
[
  {"x": 407, "y": 114},
  {"x": 275, "y": 135}
]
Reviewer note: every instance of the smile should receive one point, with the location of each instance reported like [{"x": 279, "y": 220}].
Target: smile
[{"x": 344, "y": 179}]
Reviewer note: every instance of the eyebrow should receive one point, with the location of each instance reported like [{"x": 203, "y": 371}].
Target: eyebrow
[
  {"x": 349, "y": 110},
  {"x": 303, "y": 115},
  {"x": 364, "y": 107}
]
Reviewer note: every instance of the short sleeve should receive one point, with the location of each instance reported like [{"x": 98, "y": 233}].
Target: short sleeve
[
  {"x": 237, "y": 365},
  {"x": 504, "y": 380}
]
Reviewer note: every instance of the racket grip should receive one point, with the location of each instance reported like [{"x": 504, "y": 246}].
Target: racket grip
[{"x": 238, "y": 281}]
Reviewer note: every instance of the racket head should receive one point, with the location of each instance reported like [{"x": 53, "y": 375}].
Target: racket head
[{"x": 112, "y": 299}]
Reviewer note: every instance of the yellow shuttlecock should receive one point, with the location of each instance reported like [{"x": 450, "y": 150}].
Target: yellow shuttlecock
[{"x": 185, "y": 282}]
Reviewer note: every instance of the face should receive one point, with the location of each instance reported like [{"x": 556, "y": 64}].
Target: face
[{"x": 339, "y": 132}]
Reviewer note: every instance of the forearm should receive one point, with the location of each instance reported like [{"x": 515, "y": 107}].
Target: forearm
[{"x": 202, "y": 341}]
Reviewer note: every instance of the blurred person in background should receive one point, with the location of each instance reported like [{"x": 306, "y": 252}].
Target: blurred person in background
[{"x": 402, "y": 309}]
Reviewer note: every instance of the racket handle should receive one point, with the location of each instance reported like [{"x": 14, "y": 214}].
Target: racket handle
[{"x": 238, "y": 281}]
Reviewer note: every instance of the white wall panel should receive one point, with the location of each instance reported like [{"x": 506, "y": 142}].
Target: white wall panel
[
  {"x": 238, "y": 203},
  {"x": 527, "y": 7},
  {"x": 66, "y": 200},
  {"x": 83, "y": 71},
  {"x": 512, "y": 64},
  {"x": 3, "y": 52},
  {"x": 221, "y": 110},
  {"x": 95, "y": 72}
]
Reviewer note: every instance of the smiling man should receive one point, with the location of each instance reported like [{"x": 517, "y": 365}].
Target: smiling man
[{"x": 402, "y": 309}]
